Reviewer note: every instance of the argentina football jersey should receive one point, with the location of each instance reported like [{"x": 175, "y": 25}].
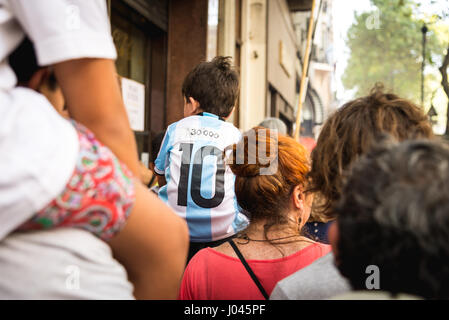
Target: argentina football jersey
[{"x": 200, "y": 187}]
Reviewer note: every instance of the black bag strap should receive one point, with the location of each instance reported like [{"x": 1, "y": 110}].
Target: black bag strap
[{"x": 250, "y": 271}]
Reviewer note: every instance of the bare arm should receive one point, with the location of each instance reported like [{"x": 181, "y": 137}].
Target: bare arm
[
  {"x": 153, "y": 244},
  {"x": 153, "y": 247},
  {"x": 93, "y": 98}
]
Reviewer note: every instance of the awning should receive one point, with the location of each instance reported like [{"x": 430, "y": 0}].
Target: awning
[{"x": 299, "y": 5}]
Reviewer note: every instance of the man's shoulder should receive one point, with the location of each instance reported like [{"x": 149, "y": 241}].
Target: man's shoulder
[
  {"x": 319, "y": 280},
  {"x": 321, "y": 265}
]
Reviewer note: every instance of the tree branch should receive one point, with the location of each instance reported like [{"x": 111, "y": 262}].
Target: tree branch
[
  {"x": 443, "y": 71},
  {"x": 445, "y": 84}
]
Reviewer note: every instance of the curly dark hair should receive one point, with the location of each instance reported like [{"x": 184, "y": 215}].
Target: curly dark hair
[
  {"x": 214, "y": 84},
  {"x": 350, "y": 132},
  {"x": 394, "y": 213}
]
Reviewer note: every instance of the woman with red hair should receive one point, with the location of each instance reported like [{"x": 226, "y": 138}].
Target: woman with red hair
[{"x": 272, "y": 247}]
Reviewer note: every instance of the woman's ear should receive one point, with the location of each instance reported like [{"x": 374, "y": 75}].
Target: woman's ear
[
  {"x": 298, "y": 198},
  {"x": 302, "y": 203}
]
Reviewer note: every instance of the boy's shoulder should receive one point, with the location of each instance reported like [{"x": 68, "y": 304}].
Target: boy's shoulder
[
  {"x": 205, "y": 120},
  {"x": 198, "y": 125}
]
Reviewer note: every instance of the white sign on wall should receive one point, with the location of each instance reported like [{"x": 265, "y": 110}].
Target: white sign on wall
[
  {"x": 145, "y": 158},
  {"x": 133, "y": 94}
]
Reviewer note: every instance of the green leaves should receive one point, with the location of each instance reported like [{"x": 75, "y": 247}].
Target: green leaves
[{"x": 392, "y": 52}]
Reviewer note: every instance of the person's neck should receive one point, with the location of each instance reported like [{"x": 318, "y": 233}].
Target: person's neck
[
  {"x": 197, "y": 112},
  {"x": 202, "y": 111},
  {"x": 256, "y": 231}
]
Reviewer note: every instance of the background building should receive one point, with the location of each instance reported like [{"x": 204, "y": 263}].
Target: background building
[
  {"x": 160, "y": 41},
  {"x": 320, "y": 98}
]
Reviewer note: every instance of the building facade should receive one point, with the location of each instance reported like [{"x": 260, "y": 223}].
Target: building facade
[
  {"x": 320, "y": 98},
  {"x": 160, "y": 41}
]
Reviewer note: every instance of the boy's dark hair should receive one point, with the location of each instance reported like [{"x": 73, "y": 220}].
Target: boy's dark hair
[
  {"x": 23, "y": 62},
  {"x": 394, "y": 214},
  {"x": 214, "y": 84}
]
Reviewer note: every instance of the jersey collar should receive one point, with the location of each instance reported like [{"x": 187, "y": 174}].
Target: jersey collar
[{"x": 207, "y": 114}]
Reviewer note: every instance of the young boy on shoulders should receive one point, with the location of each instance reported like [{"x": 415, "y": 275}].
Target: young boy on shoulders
[{"x": 194, "y": 180}]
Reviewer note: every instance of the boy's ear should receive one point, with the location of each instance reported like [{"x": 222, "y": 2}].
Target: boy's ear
[
  {"x": 38, "y": 79},
  {"x": 195, "y": 104},
  {"x": 230, "y": 113}
]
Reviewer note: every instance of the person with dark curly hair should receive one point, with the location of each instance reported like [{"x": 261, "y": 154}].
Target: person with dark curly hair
[
  {"x": 350, "y": 132},
  {"x": 396, "y": 204},
  {"x": 346, "y": 135}
]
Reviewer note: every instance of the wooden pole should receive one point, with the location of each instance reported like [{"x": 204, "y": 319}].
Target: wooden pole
[
  {"x": 109, "y": 9},
  {"x": 305, "y": 67}
]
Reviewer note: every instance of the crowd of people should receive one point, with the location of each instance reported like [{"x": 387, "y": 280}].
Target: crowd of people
[{"x": 220, "y": 214}]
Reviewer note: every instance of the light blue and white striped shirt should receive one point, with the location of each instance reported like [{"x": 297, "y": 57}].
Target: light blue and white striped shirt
[{"x": 200, "y": 187}]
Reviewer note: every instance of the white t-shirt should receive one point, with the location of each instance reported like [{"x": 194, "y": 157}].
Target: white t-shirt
[
  {"x": 38, "y": 148},
  {"x": 60, "y": 264}
]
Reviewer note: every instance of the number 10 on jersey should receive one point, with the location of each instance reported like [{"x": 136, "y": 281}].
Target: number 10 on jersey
[{"x": 197, "y": 174}]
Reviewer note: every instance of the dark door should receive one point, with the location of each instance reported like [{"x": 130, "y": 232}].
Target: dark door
[{"x": 141, "y": 56}]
